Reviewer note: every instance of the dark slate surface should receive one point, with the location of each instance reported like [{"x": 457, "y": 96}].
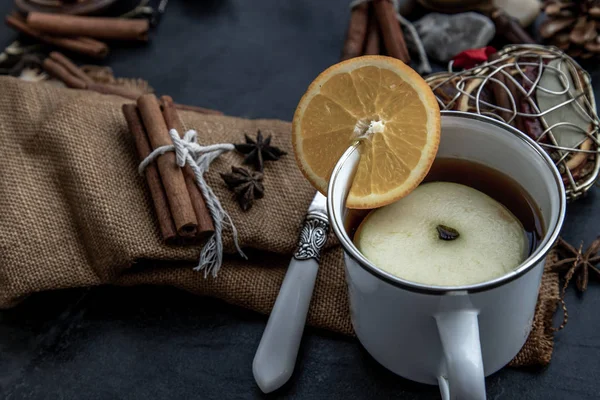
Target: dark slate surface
[{"x": 249, "y": 59}]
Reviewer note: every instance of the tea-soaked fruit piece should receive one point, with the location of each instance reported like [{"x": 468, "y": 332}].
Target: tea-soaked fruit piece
[
  {"x": 444, "y": 234},
  {"x": 388, "y": 107}
]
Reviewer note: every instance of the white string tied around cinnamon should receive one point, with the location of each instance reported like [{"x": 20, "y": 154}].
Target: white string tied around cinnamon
[{"x": 188, "y": 151}]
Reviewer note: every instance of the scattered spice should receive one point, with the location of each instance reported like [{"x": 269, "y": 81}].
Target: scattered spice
[
  {"x": 574, "y": 261},
  {"x": 577, "y": 264},
  {"x": 447, "y": 233},
  {"x": 246, "y": 185},
  {"x": 258, "y": 151}
]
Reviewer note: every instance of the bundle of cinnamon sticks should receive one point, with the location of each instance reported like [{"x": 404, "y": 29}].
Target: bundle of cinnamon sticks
[
  {"x": 374, "y": 29},
  {"x": 62, "y": 68},
  {"x": 180, "y": 208},
  {"x": 77, "y": 33}
]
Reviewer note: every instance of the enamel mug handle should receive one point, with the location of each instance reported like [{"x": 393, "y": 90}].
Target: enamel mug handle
[{"x": 459, "y": 333}]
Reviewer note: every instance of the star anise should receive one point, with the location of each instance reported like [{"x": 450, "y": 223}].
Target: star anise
[
  {"x": 246, "y": 185},
  {"x": 258, "y": 151},
  {"x": 576, "y": 263}
]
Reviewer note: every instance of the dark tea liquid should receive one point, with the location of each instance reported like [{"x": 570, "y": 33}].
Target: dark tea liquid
[{"x": 495, "y": 184}]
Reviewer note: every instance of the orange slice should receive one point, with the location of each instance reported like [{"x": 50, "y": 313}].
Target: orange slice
[{"x": 388, "y": 107}]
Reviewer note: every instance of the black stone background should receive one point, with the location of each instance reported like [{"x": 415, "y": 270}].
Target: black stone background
[{"x": 251, "y": 59}]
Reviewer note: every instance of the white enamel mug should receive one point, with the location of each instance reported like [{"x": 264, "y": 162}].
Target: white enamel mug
[{"x": 453, "y": 336}]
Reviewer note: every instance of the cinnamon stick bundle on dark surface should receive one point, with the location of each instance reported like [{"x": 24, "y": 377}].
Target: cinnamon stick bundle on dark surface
[
  {"x": 94, "y": 27},
  {"x": 393, "y": 37},
  {"x": 86, "y": 46},
  {"x": 369, "y": 24},
  {"x": 357, "y": 32}
]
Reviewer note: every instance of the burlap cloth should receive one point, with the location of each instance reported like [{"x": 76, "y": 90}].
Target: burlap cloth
[{"x": 75, "y": 212}]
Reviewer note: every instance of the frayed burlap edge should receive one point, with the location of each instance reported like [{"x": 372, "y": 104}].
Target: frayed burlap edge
[{"x": 540, "y": 343}]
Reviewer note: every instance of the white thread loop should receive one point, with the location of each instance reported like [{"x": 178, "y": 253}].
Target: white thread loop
[{"x": 188, "y": 151}]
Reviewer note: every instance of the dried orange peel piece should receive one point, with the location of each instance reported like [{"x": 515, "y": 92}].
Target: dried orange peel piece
[{"x": 388, "y": 107}]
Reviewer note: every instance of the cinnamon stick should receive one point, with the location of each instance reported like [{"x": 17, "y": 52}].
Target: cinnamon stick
[
  {"x": 510, "y": 28},
  {"x": 65, "y": 70},
  {"x": 117, "y": 90},
  {"x": 200, "y": 110},
  {"x": 205, "y": 223},
  {"x": 532, "y": 125},
  {"x": 171, "y": 175},
  {"x": 95, "y": 27},
  {"x": 89, "y": 47},
  {"x": 70, "y": 66},
  {"x": 357, "y": 31},
  {"x": 517, "y": 96},
  {"x": 500, "y": 95},
  {"x": 372, "y": 43},
  {"x": 85, "y": 39},
  {"x": 157, "y": 191},
  {"x": 73, "y": 76},
  {"x": 61, "y": 73},
  {"x": 393, "y": 38}
]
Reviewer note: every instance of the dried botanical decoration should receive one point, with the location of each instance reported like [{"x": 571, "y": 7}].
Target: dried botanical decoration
[
  {"x": 540, "y": 91},
  {"x": 246, "y": 185},
  {"x": 258, "y": 151},
  {"x": 577, "y": 264},
  {"x": 571, "y": 26}
]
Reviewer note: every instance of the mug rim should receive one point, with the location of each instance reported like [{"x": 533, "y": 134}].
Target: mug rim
[{"x": 538, "y": 255}]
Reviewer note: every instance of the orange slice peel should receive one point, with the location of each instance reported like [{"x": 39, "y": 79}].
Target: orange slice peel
[{"x": 385, "y": 105}]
